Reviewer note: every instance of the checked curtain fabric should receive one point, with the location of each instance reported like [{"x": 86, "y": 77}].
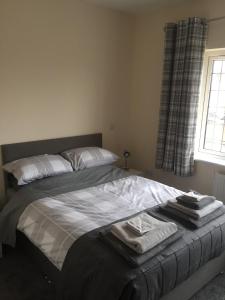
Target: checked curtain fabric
[{"x": 183, "y": 57}]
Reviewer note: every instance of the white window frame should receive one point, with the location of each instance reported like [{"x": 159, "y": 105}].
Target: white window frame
[{"x": 200, "y": 152}]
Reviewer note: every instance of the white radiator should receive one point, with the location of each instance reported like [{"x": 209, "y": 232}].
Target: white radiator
[{"x": 219, "y": 187}]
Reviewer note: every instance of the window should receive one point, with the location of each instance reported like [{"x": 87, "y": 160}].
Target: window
[{"x": 211, "y": 120}]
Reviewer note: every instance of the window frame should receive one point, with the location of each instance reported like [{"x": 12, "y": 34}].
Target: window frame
[{"x": 200, "y": 151}]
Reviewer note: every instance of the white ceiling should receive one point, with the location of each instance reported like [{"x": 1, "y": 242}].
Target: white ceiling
[{"x": 134, "y": 5}]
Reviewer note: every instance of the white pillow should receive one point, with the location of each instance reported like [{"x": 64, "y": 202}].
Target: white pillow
[
  {"x": 28, "y": 169},
  {"x": 87, "y": 157}
]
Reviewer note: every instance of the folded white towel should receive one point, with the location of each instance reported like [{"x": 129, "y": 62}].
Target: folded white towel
[
  {"x": 158, "y": 232},
  {"x": 140, "y": 224},
  {"x": 197, "y": 214}
]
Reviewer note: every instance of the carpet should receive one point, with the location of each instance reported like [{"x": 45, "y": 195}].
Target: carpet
[{"x": 20, "y": 280}]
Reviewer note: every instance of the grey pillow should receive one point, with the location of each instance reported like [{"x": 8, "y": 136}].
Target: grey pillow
[
  {"x": 28, "y": 169},
  {"x": 87, "y": 157}
]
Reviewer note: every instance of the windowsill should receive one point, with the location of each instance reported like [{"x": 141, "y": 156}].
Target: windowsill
[{"x": 209, "y": 159}]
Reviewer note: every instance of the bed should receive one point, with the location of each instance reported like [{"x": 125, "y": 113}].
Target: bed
[{"x": 87, "y": 262}]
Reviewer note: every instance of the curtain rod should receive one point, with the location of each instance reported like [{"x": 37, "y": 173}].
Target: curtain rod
[
  {"x": 216, "y": 19},
  {"x": 210, "y": 20}
]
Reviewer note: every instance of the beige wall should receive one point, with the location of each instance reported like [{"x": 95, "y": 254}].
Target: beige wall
[
  {"x": 146, "y": 86},
  {"x": 64, "y": 70},
  {"x": 69, "y": 68}
]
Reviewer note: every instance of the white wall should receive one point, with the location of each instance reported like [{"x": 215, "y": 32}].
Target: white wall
[
  {"x": 64, "y": 70},
  {"x": 69, "y": 68}
]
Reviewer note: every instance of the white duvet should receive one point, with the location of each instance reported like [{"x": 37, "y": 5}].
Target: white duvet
[{"x": 53, "y": 224}]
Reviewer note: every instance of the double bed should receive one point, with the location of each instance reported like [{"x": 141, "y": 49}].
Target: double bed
[{"x": 58, "y": 220}]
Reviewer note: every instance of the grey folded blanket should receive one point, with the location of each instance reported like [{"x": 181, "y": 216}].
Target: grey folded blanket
[
  {"x": 133, "y": 258},
  {"x": 194, "y": 205},
  {"x": 190, "y": 222},
  {"x": 196, "y": 214}
]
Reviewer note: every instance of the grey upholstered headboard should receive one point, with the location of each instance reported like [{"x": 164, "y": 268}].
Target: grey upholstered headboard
[{"x": 12, "y": 152}]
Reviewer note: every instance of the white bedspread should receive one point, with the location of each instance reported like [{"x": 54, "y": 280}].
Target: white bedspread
[{"x": 53, "y": 224}]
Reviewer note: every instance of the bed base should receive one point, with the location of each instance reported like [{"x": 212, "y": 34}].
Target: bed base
[
  {"x": 47, "y": 269},
  {"x": 198, "y": 280},
  {"x": 183, "y": 291}
]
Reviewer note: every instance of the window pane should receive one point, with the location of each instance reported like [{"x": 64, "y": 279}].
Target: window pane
[
  {"x": 217, "y": 66},
  {"x": 223, "y": 68},
  {"x": 215, "y": 82},
  {"x": 209, "y": 132},
  {"x": 216, "y": 146},
  {"x": 221, "y": 99},
  {"x": 208, "y": 145},
  {"x": 214, "y": 131},
  {"x": 219, "y": 118},
  {"x": 223, "y": 142},
  {"x": 211, "y": 114},
  {"x": 213, "y": 99},
  {"x": 222, "y": 82},
  {"x": 218, "y": 133}
]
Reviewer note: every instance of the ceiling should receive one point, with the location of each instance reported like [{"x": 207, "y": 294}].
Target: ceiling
[{"x": 135, "y": 6}]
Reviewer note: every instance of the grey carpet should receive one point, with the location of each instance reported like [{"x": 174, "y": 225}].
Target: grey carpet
[{"x": 20, "y": 280}]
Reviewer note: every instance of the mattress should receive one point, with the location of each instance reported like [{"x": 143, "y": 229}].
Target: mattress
[{"x": 64, "y": 215}]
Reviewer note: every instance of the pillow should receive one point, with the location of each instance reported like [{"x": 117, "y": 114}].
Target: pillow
[
  {"x": 87, "y": 157},
  {"x": 28, "y": 169}
]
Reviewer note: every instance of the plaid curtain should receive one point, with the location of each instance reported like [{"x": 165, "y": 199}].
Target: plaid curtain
[{"x": 183, "y": 57}]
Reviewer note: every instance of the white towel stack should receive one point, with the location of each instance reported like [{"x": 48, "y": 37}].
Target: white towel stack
[
  {"x": 197, "y": 214},
  {"x": 143, "y": 232},
  {"x": 190, "y": 205}
]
